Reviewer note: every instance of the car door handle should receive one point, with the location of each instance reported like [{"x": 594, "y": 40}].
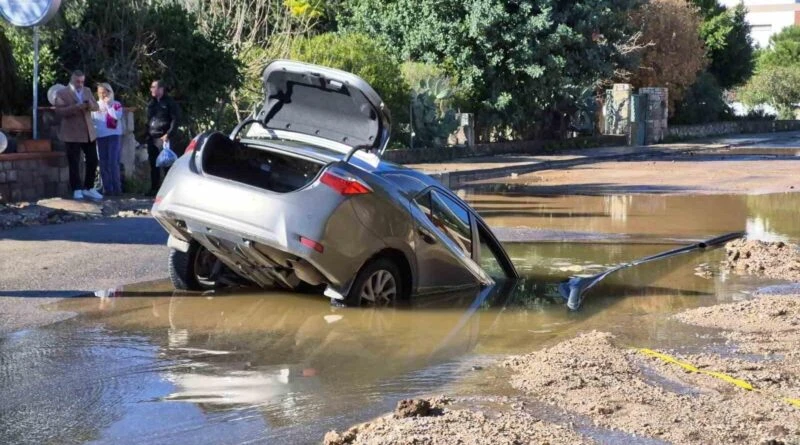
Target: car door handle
[{"x": 426, "y": 236}]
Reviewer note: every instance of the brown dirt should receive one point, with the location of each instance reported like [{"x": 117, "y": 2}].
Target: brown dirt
[
  {"x": 678, "y": 174},
  {"x": 771, "y": 259},
  {"x": 624, "y": 389},
  {"x": 620, "y": 388},
  {"x": 455, "y": 426},
  {"x": 768, "y": 324}
]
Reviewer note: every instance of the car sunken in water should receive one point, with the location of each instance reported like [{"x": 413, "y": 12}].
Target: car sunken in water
[{"x": 297, "y": 197}]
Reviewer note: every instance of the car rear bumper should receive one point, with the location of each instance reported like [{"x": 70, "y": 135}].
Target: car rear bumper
[{"x": 258, "y": 233}]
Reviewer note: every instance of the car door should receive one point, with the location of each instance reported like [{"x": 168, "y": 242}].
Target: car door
[{"x": 444, "y": 244}]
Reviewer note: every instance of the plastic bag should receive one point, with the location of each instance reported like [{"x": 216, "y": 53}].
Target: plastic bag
[{"x": 167, "y": 157}]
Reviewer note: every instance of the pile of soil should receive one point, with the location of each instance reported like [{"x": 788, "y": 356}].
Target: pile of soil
[
  {"x": 431, "y": 421},
  {"x": 624, "y": 389},
  {"x": 771, "y": 259},
  {"x": 768, "y": 324}
]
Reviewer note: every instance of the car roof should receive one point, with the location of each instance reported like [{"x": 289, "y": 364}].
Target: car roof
[{"x": 411, "y": 181}]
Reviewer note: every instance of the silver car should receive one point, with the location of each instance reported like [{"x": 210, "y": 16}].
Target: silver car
[{"x": 297, "y": 197}]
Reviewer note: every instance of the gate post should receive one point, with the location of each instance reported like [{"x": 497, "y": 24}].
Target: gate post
[{"x": 657, "y": 113}]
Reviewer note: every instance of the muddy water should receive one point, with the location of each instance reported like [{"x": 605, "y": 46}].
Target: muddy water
[{"x": 144, "y": 365}]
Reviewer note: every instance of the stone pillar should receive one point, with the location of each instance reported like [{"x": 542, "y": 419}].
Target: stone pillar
[
  {"x": 657, "y": 113},
  {"x": 617, "y": 109},
  {"x": 129, "y": 144},
  {"x": 465, "y": 134}
]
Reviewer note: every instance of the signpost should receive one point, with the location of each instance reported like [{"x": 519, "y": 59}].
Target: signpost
[{"x": 26, "y": 14}]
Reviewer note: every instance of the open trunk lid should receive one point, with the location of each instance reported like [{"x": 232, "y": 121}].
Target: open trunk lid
[{"x": 326, "y": 103}]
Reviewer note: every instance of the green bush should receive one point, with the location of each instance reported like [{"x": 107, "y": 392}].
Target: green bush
[
  {"x": 363, "y": 56},
  {"x": 702, "y": 103},
  {"x": 778, "y": 86}
]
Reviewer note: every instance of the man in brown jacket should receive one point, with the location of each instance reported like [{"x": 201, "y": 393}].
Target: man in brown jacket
[{"x": 75, "y": 105}]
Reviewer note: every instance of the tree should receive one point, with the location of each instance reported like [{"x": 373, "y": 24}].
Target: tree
[
  {"x": 778, "y": 86},
  {"x": 255, "y": 32},
  {"x": 783, "y": 49},
  {"x": 516, "y": 62},
  {"x": 364, "y": 57},
  {"x": 10, "y": 86},
  {"x": 21, "y": 42},
  {"x": 677, "y": 55},
  {"x": 702, "y": 103},
  {"x": 729, "y": 46}
]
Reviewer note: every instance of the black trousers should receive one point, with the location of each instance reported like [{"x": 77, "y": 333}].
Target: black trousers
[
  {"x": 155, "y": 172},
  {"x": 74, "y": 150}
]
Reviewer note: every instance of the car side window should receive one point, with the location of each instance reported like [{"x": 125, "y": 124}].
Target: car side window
[
  {"x": 488, "y": 257},
  {"x": 453, "y": 220}
]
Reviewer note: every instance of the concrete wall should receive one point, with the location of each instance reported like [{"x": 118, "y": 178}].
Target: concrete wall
[{"x": 722, "y": 128}]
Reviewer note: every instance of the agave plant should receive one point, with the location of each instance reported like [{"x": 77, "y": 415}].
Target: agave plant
[{"x": 432, "y": 120}]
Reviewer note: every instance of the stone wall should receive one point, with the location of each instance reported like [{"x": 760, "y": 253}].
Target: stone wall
[
  {"x": 657, "y": 114},
  {"x": 444, "y": 154},
  {"x": 33, "y": 176},
  {"x": 723, "y": 128}
]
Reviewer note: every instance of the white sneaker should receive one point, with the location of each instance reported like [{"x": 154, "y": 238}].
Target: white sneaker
[
  {"x": 77, "y": 194},
  {"x": 92, "y": 193}
]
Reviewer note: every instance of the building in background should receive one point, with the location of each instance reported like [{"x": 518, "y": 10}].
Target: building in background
[{"x": 768, "y": 17}]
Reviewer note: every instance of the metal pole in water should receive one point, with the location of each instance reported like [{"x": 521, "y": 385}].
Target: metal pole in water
[{"x": 35, "y": 82}]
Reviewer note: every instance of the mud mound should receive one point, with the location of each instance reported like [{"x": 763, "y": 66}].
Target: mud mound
[
  {"x": 778, "y": 313},
  {"x": 771, "y": 259},
  {"x": 768, "y": 324},
  {"x": 627, "y": 390},
  {"x": 453, "y": 426}
]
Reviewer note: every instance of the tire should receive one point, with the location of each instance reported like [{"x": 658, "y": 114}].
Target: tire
[
  {"x": 381, "y": 270},
  {"x": 183, "y": 268}
]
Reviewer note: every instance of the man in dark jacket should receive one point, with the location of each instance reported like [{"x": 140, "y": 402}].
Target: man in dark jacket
[{"x": 162, "y": 124}]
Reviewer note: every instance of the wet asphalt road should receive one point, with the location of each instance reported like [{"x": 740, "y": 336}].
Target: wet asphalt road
[{"x": 71, "y": 259}]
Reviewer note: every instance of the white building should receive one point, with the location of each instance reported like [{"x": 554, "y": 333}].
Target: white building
[{"x": 768, "y": 17}]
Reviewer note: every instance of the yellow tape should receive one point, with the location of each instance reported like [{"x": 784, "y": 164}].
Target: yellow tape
[{"x": 724, "y": 377}]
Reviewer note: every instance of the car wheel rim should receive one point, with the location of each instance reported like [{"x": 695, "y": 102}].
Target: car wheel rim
[
  {"x": 380, "y": 288},
  {"x": 204, "y": 263}
]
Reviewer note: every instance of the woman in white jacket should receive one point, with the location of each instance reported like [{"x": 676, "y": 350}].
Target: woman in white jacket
[{"x": 108, "y": 123}]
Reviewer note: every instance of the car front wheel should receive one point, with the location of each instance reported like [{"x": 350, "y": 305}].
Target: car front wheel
[
  {"x": 377, "y": 284},
  {"x": 193, "y": 269}
]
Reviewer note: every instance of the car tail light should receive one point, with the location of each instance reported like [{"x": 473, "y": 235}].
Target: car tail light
[
  {"x": 345, "y": 186},
  {"x": 192, "y": 145},
  {"x": 310, "y": 243}
]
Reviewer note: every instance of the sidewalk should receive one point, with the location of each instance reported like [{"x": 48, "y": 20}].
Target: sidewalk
[{"x": 461, "y": 171}]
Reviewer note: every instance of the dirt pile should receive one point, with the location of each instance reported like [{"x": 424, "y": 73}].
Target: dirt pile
[
  {"x": 628, "y": 390},
  {"x": 443, "y": 425},
  {"x": 771, "y": 259},
  {"x": 768, "y": 324}
]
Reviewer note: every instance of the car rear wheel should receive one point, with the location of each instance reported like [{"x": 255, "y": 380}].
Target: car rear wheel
[
  {"x": 193, "y": 269},
  {"x": 378, "y": 284}
]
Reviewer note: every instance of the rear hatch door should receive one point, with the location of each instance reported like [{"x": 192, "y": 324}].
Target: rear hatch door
[{"x": 310, "y": 102}]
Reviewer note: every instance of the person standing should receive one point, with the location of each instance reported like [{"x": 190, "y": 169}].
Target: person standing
[
  {"x": 107, "y": 123},
  {"x": 162, "y": 124},
  {"x": 74, "y": 104}
]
